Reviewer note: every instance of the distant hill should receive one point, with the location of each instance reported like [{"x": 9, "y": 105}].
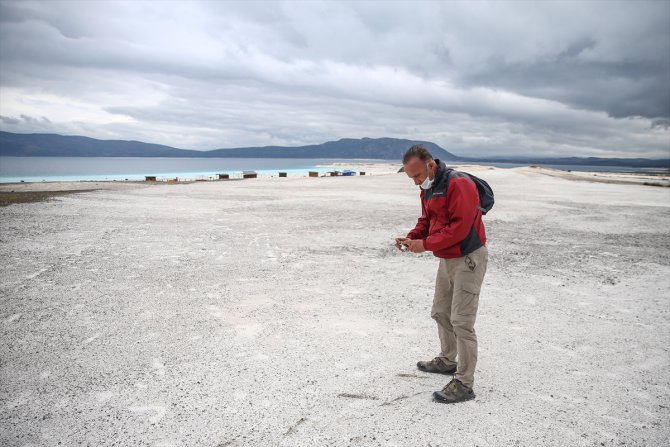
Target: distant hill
[{"x": 53, "y": 145}]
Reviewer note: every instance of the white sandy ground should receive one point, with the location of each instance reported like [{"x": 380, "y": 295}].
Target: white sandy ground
[{"x": 276, "y": 312}]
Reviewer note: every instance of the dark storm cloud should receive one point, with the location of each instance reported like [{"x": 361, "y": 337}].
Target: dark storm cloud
[
  {"x": 566, "y": 78},
  {"x": 621, "y": 88}
]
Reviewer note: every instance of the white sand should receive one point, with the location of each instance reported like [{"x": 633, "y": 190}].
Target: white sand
[{"x": 276, "y": 312}]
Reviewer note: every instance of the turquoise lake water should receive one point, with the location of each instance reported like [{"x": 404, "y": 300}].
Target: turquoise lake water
[{"x": 51, "y": 169}]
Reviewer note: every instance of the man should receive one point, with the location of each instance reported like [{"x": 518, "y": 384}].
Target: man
[{"x": 451, "y": 227}]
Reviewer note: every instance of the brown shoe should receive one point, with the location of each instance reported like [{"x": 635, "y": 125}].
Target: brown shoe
[
  {"x": 436, "y": 366},
  {"x": 454, "y": 392}
]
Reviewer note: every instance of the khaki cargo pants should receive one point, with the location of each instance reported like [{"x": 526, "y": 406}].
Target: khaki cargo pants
[{"x": 457, "y": 287}]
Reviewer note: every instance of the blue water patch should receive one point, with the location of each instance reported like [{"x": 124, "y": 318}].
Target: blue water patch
[
  {"x": 55, "y": 169},
  {"x": 207, "y": 175},
  {"x": 58, "y": 169}
]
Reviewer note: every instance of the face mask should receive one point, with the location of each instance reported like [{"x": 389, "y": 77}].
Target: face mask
[{"x": 428, "y": 182}]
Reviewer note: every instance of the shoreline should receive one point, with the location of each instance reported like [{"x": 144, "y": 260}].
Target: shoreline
[
  {"x": 373, "y": 169},
  {"x": 369, "y": 166}
]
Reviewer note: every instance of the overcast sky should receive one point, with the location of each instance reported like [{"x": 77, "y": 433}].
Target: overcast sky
[{"x": 477, "y": 78}]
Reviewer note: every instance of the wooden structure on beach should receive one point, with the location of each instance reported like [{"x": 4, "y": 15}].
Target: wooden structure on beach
[
  {"x": 361, "y": 173},
  {"x": 223, "y": 176},
  {"x": 249, "y": 174},
  {"x": 149, "y": 178},
  {"x": 282, "y": 174},
  {"x": 313, "y": 174}
]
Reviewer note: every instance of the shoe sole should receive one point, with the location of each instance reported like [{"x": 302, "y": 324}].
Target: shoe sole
[
  {"x": 446, "y": 373},
  {"x": 439, "y": 400}
]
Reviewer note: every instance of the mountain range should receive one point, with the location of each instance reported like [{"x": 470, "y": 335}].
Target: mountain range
[{"x": 54, "y": 145}]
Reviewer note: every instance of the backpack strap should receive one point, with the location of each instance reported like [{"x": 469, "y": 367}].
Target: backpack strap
[{"x": 450, "y": 174}]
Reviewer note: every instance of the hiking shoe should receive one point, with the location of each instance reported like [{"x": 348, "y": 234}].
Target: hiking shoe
[
  {"x": 454, "y": 392},
  {"x": 436, "y": 366}
]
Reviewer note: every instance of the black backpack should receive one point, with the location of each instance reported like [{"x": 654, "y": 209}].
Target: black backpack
[{"x": 485, "y": 191}]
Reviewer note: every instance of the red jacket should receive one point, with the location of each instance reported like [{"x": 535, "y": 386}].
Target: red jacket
[{"x": 451, "y": 223}]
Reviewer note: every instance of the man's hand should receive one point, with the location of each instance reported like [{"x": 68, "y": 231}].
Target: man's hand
[
  {"x": 399, "y": 241},
  {"x": 415, "y": 246}
]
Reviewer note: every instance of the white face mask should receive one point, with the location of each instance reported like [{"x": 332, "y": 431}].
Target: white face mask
[{"x": 428, "y": 182}]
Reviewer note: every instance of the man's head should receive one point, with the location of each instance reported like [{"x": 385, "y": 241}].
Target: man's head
[{"x": 419, "y": 164}]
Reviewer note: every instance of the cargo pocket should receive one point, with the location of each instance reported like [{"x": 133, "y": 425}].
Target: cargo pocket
[
  {"x": 465, "y": 300},
  {"x": 471, "y": 287},
  {"x": 467, "y": 281}
]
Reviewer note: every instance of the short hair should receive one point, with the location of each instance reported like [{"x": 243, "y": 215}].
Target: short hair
[{"x": 417, "y": 151}]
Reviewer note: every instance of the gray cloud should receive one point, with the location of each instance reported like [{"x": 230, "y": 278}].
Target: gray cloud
[
  {"x": 25, "y": 119},
  {"x": 621, "y": 88},
  {"x": 572, "y": 78}
]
